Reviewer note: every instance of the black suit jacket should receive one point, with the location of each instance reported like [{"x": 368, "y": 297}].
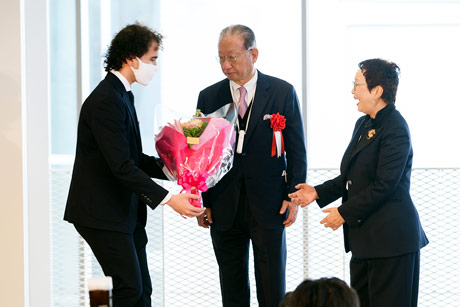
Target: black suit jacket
[
  {"x": 374, "y": 183},
  {"x": 262, "y": 174},
  {"x": 111, "y": 174}
]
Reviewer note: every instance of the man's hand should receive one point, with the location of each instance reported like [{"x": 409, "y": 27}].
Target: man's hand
[
  {"x": 305, "y": 195},
  {"x": 180, "y": 203},
  {"x": 333, "y": 220},
  {"x": 293, "y": 209},
  {"x": 205, "y": 219}
]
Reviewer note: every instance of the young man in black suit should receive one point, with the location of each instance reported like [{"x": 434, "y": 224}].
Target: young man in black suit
[
  {"x": 251, "y": 201},
  {"x": 111, "y": 182}
]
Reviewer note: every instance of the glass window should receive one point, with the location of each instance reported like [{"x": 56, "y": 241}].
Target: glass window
[{"x": 63, "y": 77}]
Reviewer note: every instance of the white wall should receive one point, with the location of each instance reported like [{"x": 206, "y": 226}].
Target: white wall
[
  {"x": 420, "y": 37},
  {"x": 11, "y": 164},
  {"x": 24, "y": 187},
  {"x": 192, "y": 29}
]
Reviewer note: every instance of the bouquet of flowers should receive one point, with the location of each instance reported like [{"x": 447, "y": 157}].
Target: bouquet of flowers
[{"x": 197, "y": 152}]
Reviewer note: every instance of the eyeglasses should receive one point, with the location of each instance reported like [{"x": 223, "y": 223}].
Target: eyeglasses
[
  {"x": 230, "y": 58},
  {"x": 357, "y": 84}
]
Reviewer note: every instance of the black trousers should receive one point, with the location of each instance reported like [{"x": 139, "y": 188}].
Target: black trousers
[
  {"x": 122, "y": 256},
  {"x": 232, "y": 253},
  {"x": 383, "y": 282}
]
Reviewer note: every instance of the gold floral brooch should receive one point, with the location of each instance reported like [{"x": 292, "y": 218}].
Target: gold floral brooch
[{"x": 370, "y": 134}]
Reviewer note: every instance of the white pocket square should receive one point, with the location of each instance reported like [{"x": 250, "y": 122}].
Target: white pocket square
[{"x": 267, "y": 116}]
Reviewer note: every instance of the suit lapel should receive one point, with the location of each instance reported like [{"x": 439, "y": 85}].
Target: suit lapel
[
  {"x": 225, "y": 96},
  {"x": 372, "y": 129},
  {"x": 227, "y": 100},
  {"x": 368, "y": 130},
  {"x": 365, "y": 141},
  {"x": 260, "y": 103},
  {"x": 119, "y": 87},
  {"x": 351, "y": 146}
]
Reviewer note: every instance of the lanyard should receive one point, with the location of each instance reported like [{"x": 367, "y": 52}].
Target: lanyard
[{"x": 241, "y": 133}]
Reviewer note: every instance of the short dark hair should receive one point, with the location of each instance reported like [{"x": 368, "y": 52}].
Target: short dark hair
[
  {"x": 245, "y": 32},
  {"x": 132, "y": 41},
  {"x": 331, "y": 292},
  {"x": 383, "y": 73}
]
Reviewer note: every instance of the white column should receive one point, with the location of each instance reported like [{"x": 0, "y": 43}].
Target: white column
[
  {"x": 36, "y": 118},
  {"x": 12, "y": 230},
  {"x": 24, "y": 187}
]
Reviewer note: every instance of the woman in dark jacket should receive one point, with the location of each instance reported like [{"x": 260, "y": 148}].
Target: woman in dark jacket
[{"x": 380, "y": 223}]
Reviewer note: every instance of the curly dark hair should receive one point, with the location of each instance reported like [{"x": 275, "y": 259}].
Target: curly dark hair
[
  {"x": 132, "y": 41},
  {"x": 383, "y": 73},
  {"x": 330, "y": 292}
]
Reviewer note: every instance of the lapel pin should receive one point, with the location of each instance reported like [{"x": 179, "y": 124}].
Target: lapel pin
[{"x": 370, "y": 134}]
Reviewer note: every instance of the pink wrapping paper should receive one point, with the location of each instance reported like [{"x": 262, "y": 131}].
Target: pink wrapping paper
[{"x": 203, "y": 165}]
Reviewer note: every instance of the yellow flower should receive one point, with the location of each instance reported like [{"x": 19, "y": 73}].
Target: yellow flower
[
  {"x": 194, "y": 123},
  {"x": 370, "y": 134}
]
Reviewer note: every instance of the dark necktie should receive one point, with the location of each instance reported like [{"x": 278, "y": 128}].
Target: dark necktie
[
  {"x": 131, "y": 97},
  {"x": 133, "y": 109},
  {"x": 136, "y": 122}
]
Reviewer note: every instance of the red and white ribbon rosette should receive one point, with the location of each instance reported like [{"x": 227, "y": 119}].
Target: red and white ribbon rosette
[{"x": 277, "y": 123}]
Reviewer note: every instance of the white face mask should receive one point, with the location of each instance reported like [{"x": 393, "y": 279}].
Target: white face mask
[{"x": 144, "y": 73}]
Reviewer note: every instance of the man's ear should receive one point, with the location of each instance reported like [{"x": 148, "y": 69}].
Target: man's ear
[
  {"x": 132, "y": 61},
  {"x": 255, "y": 54}
]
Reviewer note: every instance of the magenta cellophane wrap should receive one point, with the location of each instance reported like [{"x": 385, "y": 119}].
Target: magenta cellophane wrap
[{"x": 199, "y": 166}]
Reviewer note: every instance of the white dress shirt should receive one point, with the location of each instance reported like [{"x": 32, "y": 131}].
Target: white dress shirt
[{"x": 250, "y": 90}]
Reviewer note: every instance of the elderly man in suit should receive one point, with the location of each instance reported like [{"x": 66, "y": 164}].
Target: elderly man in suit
[
  {"x": 381, "y": 225},
  {"x": 251, "y": 202},
  {"x": 111, "y": 184}
]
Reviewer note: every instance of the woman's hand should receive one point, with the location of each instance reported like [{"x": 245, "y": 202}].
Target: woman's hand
[
  {"x": 333, "y": 220},
  {"x": 305, "y": 195}
]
